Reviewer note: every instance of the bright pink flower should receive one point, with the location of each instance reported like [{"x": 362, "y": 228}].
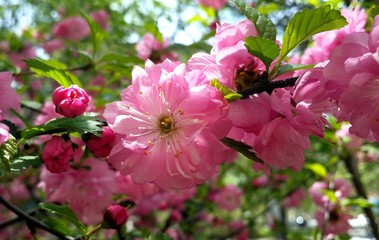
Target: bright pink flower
[
  {"x": 88, "y": 191},
  {"x": 228, "y": 198},
  {"x": 216, "y": 4},
  {"x": 168, "y": 131},
  {"x": 150, "y": 48},
  {"x": 337, "y": 223},
  {"x": 294, "y": 199},
  {"x": 115, "y": 216},
  {"x": 4, "y": 133},
  {"x": 352, "y": 142},
  {"x": 102, "y": 145},
  {"x": 71, "y": 101},
  {"x": 9, "y": 96},
  {"x": 53, "y": 45},
  {"x": 47, "y": 113},
  {"x": 340, "y": 187},
  {"x": 72, "y": 28},
  {"x": 136, "y": 192},
  {"x": 101, "y": 17},
  {"x": 57, "y": 153}
]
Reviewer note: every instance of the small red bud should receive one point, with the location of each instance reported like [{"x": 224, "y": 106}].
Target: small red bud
[
  {"x": 115, "y": 216},
  {"x": 71, "y": 101}
]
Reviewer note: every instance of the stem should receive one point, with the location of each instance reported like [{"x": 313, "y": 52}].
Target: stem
[
  {"x": 93, "y": 231},
  {"x": 266, "y": 86},
  {"x": 352, "y": 168},
  {"x": 30, "y": 220}
]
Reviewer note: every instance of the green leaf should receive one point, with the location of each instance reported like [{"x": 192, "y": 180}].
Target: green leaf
[
  {"x": 360, "y": 202},
  {"x": 264, "y": 49},
  {"x": 7, "y": 150},
  {"x": 307, "y": 23},
  {"x": 121, "y": 59},
  {"x": 160, "y": 236},
  {"x": 81, "y": 124},
  {"x": 331, "y": 195},
  {"x": 374, "y": 11},
  {"x": 268, "y": 8},
  {"x": 97, "y": 33},
  {"x": 242, "y": 148},
  {"x": 65, "y": 212},
  {"x": 265, "y": 27},
  {"x": 292, "y": 67},
  {"x": 228, "y": 93},
  {"x": 54, "y": 70},
  {"x": 23, "y": 162},
  {"x": 317, "y": 168}
]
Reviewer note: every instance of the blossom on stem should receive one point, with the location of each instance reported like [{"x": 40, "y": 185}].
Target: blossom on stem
[
  {"x": 71, "y": 101},
  {"x": 151, "y": 48},
  {"x": 102, "y": 145},
  {"x": 167, "y": 128},
  {"x": 57, "y": 153},
  {"x": 72, "y": 28}
]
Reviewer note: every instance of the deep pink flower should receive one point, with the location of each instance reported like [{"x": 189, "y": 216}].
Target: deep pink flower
[
  {"x": 101, "y": 17},
  {"x": 71, "y": 101},
  {"x": 72, "y": 28},
  {"x": 102, "y": 145},
  {"x": 294, "y": 199},
  {"x": 337, "y": 223},
  {"x": 57, "y": 153},
  {"x": 216, "y": 4},
  {"x": 228, "y": 198},
  {"x": 9, "y": 96},
  {"x": 53, "y": 45},
  {"x": 17, "y": 57},
  {"x": 115, "y": 216},
  {"x": 168, "y": 130},
  {"x": 88, "y": 191},
  {"x": 4, "y": 133}
]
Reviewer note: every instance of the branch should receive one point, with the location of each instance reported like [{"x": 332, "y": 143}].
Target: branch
[
  {"x": 242, "y": 148},
  {"x": 352, "y": 168},
  {"x": 267, "y": 86},
  {"x": 30, "y": 220}
]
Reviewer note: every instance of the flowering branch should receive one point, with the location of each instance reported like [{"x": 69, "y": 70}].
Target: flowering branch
[
  {"x": 352, "y": 168},
  {"x": 30, "y": 220},
  {"x": 263, "y": 85}
]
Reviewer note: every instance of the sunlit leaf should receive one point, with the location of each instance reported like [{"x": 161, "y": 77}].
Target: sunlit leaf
[
  {"x": 7, "y": 150},
  {"x": 228, "y": 93},
  {"x": 317, "y": 168},
  {"x": 264, "y": 49}
]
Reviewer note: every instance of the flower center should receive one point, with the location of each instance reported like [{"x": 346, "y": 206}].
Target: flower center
[{"x": 165, "y": 124}]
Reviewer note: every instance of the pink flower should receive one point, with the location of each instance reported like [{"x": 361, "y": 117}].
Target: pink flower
[
  {"x": 228, "y": 198},
  {"x": 217, "y": 4},
  {"x": 340, "y": 187},
  {"x": 47, "y": 113},
  {"x": 294, "y": 199},
  {"x": 337, "y": 222},
  {"x": 115, "y": 216},
  {"x": 72, "y": 28},
  {"x": 71, "y": 101},
  {"x": 102, "y": 146},
  {"x": 101, "y": 17},
  {"x": 4, "y": 133},
  {"x": 88, "y": 191},
  {"x": 9, "y": 97},
  {"x": 53, "y": 45},
  {"x": 168, "y": 130},
  {"x": 57, "y": 153},
  {"x": 151, "y": 48},
  {"x": 17, "y": 57}
]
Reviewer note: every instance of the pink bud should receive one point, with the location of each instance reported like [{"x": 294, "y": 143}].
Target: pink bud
[
  {"x": 114, "y": 217},
  {"x": 57, "y": 153},
  {"x": 71, "y": 101},
  {"x": 102, "y": 146}
]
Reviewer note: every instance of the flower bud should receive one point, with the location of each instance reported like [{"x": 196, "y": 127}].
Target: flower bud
[
  {"x": 57, "y": 153},
  {"x": 71, "y": 101},
  {"x": 114, "y": 217},
  {"x": 102, "y": 146}
]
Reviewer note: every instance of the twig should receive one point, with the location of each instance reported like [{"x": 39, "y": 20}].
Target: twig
[
  {"x": 30, "y": 220},
  {"x": 268, "y": 86}
]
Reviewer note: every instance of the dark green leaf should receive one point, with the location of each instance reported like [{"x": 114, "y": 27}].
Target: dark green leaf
[
  {"x": 265, "y": 27},
  {"x": 23, "y": 162},
  {"x": 264, "y": 49},
  {"x": 309, "y": 22},
  {"x": 7, "y": 150},
  {"x": 241, "y": 147},
  {"x": 81, "y": 124},
  {"x": 121, "y": 59},
  {"x": 228, "y": 93},
  {"x": 54, "y": 70},
  {"x": 292, "y": 67},
  {"x": 65, "y": 212}
]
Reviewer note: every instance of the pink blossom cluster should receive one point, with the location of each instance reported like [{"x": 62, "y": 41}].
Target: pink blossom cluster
[
  {"x": 151, "y": 48},
  {"x": 347, "y": 84},
  {"x": 331, "y": 218}
]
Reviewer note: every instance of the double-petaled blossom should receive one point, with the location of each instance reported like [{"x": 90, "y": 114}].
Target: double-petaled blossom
[
  {"x": 167, "y": 127},
  {"x": 88, "y": 191},
  {"x": 151, "y": 48},
  {"x": 57, "y": 154},
  {"x": 102, "y": 145},
  {"x": 72, "y": 28},
  {"x": 71, "y": 101}
]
